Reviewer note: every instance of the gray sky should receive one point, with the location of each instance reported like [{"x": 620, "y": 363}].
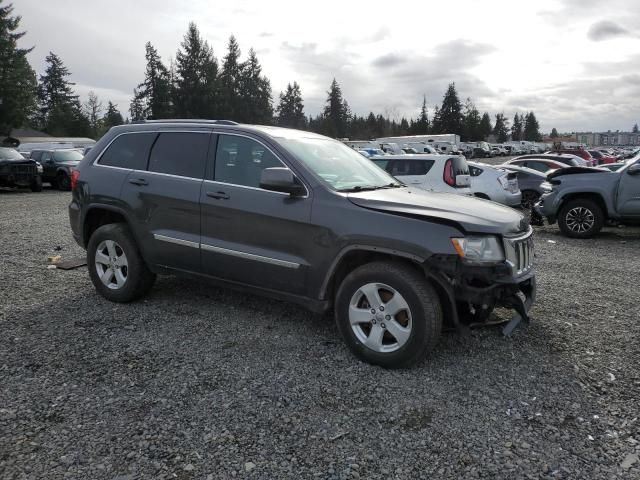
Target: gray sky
[{"x": 576, "y": 63}]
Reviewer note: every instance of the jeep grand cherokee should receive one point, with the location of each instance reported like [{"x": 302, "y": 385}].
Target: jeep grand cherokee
[{"x": 300, "y": 217}]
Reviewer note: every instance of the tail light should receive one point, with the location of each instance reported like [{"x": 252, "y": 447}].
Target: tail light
[
  {"x": 75, "y": 174},
  {"x": 449, "y": 176}
]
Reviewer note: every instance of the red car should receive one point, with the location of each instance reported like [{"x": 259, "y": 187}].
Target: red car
[
  {"x": 601, "y": 157},
  {"x": 580, "y": 153}
]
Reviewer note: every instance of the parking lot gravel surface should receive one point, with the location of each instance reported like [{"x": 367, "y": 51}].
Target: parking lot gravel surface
[{"x": 198, "y": 382}]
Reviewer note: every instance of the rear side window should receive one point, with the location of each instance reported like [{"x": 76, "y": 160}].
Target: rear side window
[
  {"x": 129, "y": 151},
  {"x": 409, "y": 167},
  {"x": 180, "y": 153},
  {"x": 475, "y": 171}
]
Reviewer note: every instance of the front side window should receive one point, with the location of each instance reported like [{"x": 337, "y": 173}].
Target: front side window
[
  {"x": 130, "y": 150},
  {"x": 180, "y": 153},
  {"x": 336, "y": 165},
  {"x": 240, "y": 160}
]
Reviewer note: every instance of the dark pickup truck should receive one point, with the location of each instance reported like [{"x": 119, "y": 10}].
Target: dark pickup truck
[{"x": 17, "y": 171}]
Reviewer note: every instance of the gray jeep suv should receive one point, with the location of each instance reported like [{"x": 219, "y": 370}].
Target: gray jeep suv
[{"x": 300, "y": 217}]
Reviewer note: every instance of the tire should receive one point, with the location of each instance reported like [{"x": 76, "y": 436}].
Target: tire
[
  {"x": 580, "y": 218},
  {"x": 416, "y": 323},
  {"x": 36, "y": 184},
  {"x": 63, "y": 182},
  {"x": 131, "y": 278}
]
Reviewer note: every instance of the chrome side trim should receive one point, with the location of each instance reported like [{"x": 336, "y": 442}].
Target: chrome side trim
[
  {"x": 249, "y": 256},
  {"x": 251, "y": 188},
  {"x": 176, "y": 241}
]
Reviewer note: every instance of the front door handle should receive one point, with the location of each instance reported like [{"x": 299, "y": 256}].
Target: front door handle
[
  {"x": 218, "y": 195},
  {"x": 138, "y": 181}
]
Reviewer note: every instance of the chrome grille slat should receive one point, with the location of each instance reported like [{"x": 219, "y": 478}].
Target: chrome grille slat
[{"x": 519, "y": 252}]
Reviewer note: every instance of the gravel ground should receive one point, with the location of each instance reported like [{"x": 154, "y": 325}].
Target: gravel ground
[{"x": 199, "y": 382}]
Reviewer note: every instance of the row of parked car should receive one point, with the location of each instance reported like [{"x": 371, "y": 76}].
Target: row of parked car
[
  {"x": 520, "y": 182},
  {"x": 32, "y": 169}
]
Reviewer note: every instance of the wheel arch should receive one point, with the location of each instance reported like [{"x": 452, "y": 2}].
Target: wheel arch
[
  {"x": 98, "y": 215},
  {"x": 593, "y": 196}
]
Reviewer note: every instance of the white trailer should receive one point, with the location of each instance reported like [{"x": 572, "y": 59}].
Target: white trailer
[{"x": 445, "y": 137}]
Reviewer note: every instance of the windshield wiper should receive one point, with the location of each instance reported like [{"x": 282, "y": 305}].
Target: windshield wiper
[{"x": 366, "y": 188}]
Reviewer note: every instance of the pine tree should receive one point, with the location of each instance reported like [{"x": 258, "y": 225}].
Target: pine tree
[
  {"x": 59, "y": 111},
  {"x": 17, "y": 78},
  {"x": 421, "y": 126},
  {"x": 635, "y": 128},
  {"x": 112, "y": 118},
  {"x": 137, "y": 107},
  {"x": 501, "y": 128},
  {"x": 155, "y": 91},
  {"x": 93, "y": 110},
  {"x": 450, "y": 120},
  {"x": 485, "y": 127},
  {"x": 230, "y": 79},
  {"x": 336, "y": 112},
  {"x": 291, "y": 109},
  {"x": 554, "y": 133},
  {"x": 196, "y": 88},
  {"x": 531, "y": 128},
  {"x": 517, "y": 128},
  {"x": 436, "y": 124},
  {"x": 470, "y": 122},
  {"x": 254, "y": 102}
]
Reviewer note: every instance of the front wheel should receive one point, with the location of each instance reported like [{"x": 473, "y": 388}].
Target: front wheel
[
  {"x": 388, "y": 314},
  {"x": 116, "y": 266},
  {"x": 581, "y": 218}
]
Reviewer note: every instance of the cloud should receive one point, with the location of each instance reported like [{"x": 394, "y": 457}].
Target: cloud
[
  {"x": 388, "y": 60},
  {"x": 605, "y": 30}
]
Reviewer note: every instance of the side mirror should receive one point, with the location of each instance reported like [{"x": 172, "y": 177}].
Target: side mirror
[
  {"x": 634, "y": 169},
  {"x": 281, "y": 179}
]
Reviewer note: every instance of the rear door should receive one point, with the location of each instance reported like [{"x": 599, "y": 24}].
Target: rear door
[
  {"x": 249, "y": 235},
  {"x": 163, "y": 195},
  {"x": 628, "y": 200}
]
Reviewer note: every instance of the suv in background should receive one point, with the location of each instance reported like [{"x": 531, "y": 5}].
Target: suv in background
[
  {"x": 582, "y": 199},
  {"x": 300, "y": 217},
  {"x": 437, "y": 173},
  {"x": 17, "y": 171},
  {"x": 58, "y": 166}
]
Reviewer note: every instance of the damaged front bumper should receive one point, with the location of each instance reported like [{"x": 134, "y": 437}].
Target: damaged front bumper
[{"x": 483, "y": 288}]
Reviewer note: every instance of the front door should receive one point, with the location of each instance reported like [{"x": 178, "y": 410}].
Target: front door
[
  {"x": 250, "y": 235},
  {"x": 628, "y": 200}
]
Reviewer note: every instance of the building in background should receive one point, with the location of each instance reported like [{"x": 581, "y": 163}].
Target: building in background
[{"x": 607, "y": 139}]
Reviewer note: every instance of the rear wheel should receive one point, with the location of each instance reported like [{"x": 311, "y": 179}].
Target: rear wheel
[
  {"x": 388, "y": 314},
  {"x": 581, "y": 218},
  {"x": 116, "y": 266},
  {"x": 63, "y": 182}
]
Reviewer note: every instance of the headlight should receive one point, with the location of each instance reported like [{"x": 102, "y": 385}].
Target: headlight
[
  {"x": 546, "y": 186},
  {"x": 486, "y": 249},
  {"x": 39, "y": 168}
]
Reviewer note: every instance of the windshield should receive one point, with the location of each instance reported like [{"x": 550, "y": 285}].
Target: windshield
[
  {"x": 67, "y": 155},
  {"x": 337, "y": 165},
  {"x": 10, "y": 154}
]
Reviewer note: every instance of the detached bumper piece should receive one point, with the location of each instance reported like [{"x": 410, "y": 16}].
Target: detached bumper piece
[{"x": 485, "y": 288}]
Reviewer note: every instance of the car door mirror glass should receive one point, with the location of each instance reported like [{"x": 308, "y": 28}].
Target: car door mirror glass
[
  {"x": 634, "y": 169},
  {"x": 281, "y": 179}
]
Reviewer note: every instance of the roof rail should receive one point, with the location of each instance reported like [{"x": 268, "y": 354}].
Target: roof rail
[{"x": 189, "y": 120}]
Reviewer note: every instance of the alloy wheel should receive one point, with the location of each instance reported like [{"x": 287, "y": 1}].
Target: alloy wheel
[
  {"x": 580, "y": 219},
  {"x": 111, "y": 264},
  {"x": 380, "y": 317}
]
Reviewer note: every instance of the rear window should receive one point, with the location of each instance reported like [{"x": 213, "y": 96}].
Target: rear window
[
  {"x": 130, "y": 150},
  {"x": 409, "y": 167},
  {"x": 180, "y": 153}
]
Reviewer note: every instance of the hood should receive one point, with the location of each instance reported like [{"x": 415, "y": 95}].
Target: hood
[
  {"x": 469, "y": 214},
  {"x": 16, "y": 161},
  {"x": 574, "y": 171}
]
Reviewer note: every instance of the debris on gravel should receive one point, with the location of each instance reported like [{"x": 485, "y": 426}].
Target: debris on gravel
[{"x": 199, "y": 382}]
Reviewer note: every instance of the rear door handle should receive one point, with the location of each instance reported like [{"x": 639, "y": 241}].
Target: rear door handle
[
  {"x": 138, "y": 181},
  {"x": 218, "y": 195}
]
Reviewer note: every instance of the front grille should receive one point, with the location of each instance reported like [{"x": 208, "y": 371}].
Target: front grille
[
  {"x": 23, "y": 169},
  {"x": 519, "y": 252}
]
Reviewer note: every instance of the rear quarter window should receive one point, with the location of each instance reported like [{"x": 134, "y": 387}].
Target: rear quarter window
[{"x": 130, "y": 150}]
